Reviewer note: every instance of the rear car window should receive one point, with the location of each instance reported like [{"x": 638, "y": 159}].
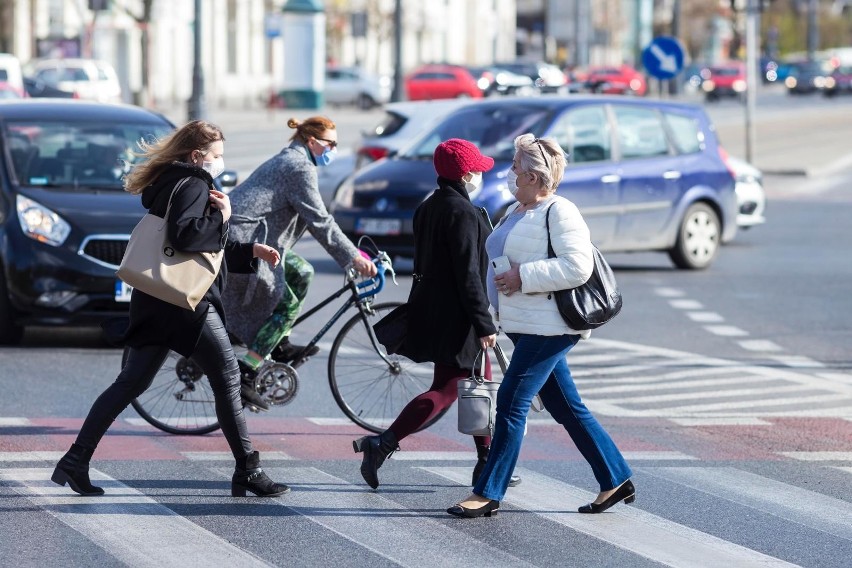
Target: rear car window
[
  {"x": 389, "y": 125},
  {"x": 640, "y": 132},
  {"x": 685, "y": 132}
]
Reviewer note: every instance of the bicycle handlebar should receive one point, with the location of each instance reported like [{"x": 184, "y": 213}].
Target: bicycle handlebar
[{"x": 373, "y": 285}]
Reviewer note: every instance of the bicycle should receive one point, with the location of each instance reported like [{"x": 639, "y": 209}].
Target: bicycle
[{"x": 370, "y": 386}]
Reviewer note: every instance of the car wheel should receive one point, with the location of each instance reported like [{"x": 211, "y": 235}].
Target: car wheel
[
  {"x": 365, "y": 101},
  {"x": 10, "y": 332},
  {"x": 698, "y": 238}
]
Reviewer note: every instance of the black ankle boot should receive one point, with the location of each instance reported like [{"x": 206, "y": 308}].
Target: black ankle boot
[
  {"x": 73, "y": 469},
  {"x": 286, "y": 352},
  {"x": 481, "y": 458},
  {"x": 249, "y": 476},
  {"x": 248, "y": 394},
  {"x": 376, "y": 449}
]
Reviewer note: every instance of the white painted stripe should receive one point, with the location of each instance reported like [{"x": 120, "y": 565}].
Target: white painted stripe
[
  {"x": 30, "y": 456},
  {"x": 819, "y": 456},
  {"x": 846, "y": 469},
  {"x": 337, "y": 421},
  {"x": 612, "y": 370},
  {"x": 726, "y": 330},
  {"x": 721, "y": 421},
  {"x": 808, "y": 508},
  {"x": 669, "y": 292},
  {"x": 760, "y": 345},
  {"x": 430, "y": 456},
  {"x": 574, "y": 359},
  {"x": 837, "y": 377},
  {"x": 798, "y": 361},
  {"x": 762, "y": 390},
  {"x": 126, "y": 524},
  {"x": 657, "y": 455},
  {"x": 228, "y": 456},
  {"x": 686, "y": 304},
  {"x": 752, "y": 408},
  {"x": 176, "y": 422},
  {"x": 626, "y": 527},
  {"x": 705, "y": 317},
  {"x": 738, "y": 380},
  {"x": 11, "y": 421},
  {"x": 381, "y": 525}
]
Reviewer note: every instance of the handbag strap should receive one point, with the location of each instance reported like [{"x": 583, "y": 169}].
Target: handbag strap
[
  {"x": 550, "y": 252},
  {"x": 177, "y": 186}
]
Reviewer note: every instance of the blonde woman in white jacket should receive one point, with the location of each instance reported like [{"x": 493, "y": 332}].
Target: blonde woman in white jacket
[{"x": 523, "y": 299}]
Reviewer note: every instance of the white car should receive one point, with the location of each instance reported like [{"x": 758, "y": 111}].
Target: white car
[
  {"x": 89, "y": 78},
  {"x": 354, "y": 86},
  {"x": 751, "y": 198}
]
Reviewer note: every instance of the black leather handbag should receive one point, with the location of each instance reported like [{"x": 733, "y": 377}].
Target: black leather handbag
[{"x": 592, "y": 304}]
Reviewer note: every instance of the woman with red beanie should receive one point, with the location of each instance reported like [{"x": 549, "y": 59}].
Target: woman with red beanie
[{"x": 448, "y": 317}]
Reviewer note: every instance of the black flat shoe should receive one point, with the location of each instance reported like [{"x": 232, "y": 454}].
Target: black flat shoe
[
  {"x": 626, "y": 492},
  {"x": 487, "y": 510}
]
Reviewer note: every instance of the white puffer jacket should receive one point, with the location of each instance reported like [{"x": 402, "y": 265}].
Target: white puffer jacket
[{"x": 533, "y": 310}]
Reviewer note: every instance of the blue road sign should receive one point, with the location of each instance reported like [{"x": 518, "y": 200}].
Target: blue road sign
[{"x": 663, "y": 58}]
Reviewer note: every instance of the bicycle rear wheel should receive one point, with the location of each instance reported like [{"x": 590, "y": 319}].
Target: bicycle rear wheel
[
  {"x": 368, "y": 390},
  {"x": 179, "y": 400}
]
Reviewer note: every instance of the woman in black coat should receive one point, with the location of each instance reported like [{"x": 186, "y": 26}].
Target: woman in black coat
[
  {"x": 197, "y": 222},
  {"x": 448, "y": 317}
]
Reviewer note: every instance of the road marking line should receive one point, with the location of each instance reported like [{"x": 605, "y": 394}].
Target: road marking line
[
  {"x": 819, "y": 456},
  {"x": 738, "y": 393},
  {"x": 760, "y": 345},
  {"x": 721, "y": 421},
  {"x": 705, "y": 317},
  {"x": 846, "y": 469},
  {"x": 613, "y": 370},
  {"x": 434, "y": 456},
  {"x": 228, "y": 456},
  {"x": 176, "y": 422},
  {"x": 368, "y": 520},
  {"x": 128, "y": 525},
  {"x": 686, "y": 304},
  {"x": 837, "y": 377},
  {"x": 11, "y": 421},
  {"x": 669, "y": 292},
  {"x": 574, "y": 359},
  {"x": 752, "y": 406},
  {"x": 808, "y": 508},
  {"x": 798, "y": 361},
  {"x": 657, "y": 455},
  {"x": 738, "y": 380},
  {"x": 30, "y": 456},
  {"x": 726, "y": 330},
  {"x": 336, "y": 421},
  {"x": 626, "y": 527}
]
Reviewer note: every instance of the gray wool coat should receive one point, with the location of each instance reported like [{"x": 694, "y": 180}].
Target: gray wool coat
[{"x": 275, "y": 205}]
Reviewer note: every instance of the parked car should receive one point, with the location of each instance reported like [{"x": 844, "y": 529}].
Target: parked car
[
  {"x": 839, "y": 82},
  {"x": 37, "y": 88},
  {"x": 751, "y": 197},
  {"x": 11, "y": 72},
  {"x": 498, "y": 81},
  {"x": 89, "y": 78},
  {"x": 647, "y": 174},
  {"x": 354, "y": 86},
  {"x": 620, "y": 80},
  {"x": 441, "y": 82},
  {"x": 726, "y": 80},
  {"x": 64, "y": 218},
  {"x": 806, "y": 77},
  {"x": 547, "y": 77}
]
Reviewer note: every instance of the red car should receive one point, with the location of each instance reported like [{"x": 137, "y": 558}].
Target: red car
[
  {"x": 726, "y": 80},
  {"x": 621, "y": 80},
  {"x": 441, "y": 82}
]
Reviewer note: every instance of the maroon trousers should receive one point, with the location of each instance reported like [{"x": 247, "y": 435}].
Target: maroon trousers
[{"x": 440, "y": 396}]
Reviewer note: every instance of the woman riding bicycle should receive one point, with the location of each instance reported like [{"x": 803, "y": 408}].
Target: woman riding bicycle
[{"x": 275, "y": 205}]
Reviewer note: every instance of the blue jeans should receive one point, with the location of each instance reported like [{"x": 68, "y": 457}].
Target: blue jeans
[{"x": 539, "y": 367}]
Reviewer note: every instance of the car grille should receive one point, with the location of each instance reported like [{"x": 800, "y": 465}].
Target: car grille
[{"x": 107, "y": 251}]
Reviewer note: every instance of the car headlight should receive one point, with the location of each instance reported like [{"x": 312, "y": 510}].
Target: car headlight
[
  {"x": 830, "y": 82},
  {"x": 708, "y": 85},
  {"x": 739, "y": 86},
  {"x": 343, "y": 195},
  {"x": 790, "y": 82},
  {"x": 40, "y": 223}
]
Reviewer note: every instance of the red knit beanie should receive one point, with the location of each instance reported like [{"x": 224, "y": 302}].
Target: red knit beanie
[{"x": 456, "y": 157}]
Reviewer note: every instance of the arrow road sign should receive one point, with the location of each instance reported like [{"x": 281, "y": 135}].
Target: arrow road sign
[{"x": 663, "y": 58}]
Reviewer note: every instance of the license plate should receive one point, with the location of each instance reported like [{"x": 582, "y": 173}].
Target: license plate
[
  {"x": 378, "y": 226},
  {"x": 122, "y": 291}
]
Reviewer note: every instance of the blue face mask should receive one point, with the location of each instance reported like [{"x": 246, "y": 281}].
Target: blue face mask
[{"x": 326, "y": 157}]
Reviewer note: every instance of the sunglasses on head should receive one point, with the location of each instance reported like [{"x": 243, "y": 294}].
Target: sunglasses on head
[
  {"x": 331, "y": 143},
  {"x": 540, "y": 149}
]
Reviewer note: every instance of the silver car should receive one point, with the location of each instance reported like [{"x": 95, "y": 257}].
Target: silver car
[{"x": 354, "y": 86}]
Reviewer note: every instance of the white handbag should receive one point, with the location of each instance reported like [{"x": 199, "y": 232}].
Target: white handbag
[
  {"x": 151, "y": 264},
  {"x": 478, "y": 397}
]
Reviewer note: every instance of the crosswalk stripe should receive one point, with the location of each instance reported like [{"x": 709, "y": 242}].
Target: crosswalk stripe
[
  {"x": 13, "y": 421},
  {"x": 736, "y": 393},
  {"x": 133, "y": 528},
  {"x": 228, "y": 456},
  {"x": 738, "y": 380},
  {"x": 721, "y": 421},
  {"x": 654, "y": 455},
  {"x": 819, "y": 456},
  {"x": 434, "y": 456},
  {"x": 726, "y": 330},
  {"x": 808, "y": 508},
  {"x": 330, "y": 501},
  {"x": 30, "y": 456},
  {"x": 626, "y": 527}
]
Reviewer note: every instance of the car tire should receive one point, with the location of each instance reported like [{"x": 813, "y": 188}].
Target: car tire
[
  {"x": 365, "y": 101},
  {"x": 10, "y": 332},
  {"x": 698, "y": 239}
]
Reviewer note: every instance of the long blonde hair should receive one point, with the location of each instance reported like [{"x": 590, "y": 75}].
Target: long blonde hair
[
  {"x": 176, "y": 147},
  {"x": 543, "y": 157}
]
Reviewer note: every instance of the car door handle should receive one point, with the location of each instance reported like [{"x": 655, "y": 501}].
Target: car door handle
[
  {"x": 610, "y": 178},
  {"x": 671, "y": 174}
]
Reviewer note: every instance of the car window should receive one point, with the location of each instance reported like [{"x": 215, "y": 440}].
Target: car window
[
  {"x": 584, "y": 134},
  {"x": 102, "y": 75},
  {"x": 493, "y": 129},
  {"x": 73, "y": 74},
  {"x": 70, "y": 154},
  {"x": 49, "y": 76},
  {"x": 640, "y": 132},
  {"x": 685, "y": 132},
  {"x": 390, "y": 124},
  {"x": 4, "y": 76}
]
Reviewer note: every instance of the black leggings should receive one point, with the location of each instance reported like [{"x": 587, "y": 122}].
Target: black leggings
[{"x": 213, "y": 354}]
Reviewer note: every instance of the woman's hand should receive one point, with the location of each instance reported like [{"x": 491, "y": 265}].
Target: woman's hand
[
  {"x": 267, "y": 253},
  {"x": 510, "y": 281},
  {"x": 220, "y": 201},
  {"x": 364, "y": 267},
  {"x": 488, "y": 341}
]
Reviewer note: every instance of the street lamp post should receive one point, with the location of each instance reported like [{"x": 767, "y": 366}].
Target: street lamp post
[
  {"x": 197, "y": 106},
  {"x": 396, "y": 94}
]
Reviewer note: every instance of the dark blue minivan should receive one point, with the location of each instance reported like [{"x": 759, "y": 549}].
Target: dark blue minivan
[{"x": 648, "y": 175}]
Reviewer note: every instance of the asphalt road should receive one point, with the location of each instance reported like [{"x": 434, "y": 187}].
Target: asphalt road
[{"x": 729, "y": 391}]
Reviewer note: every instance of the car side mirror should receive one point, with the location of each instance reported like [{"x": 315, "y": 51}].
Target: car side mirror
[{"x": 228, "y": 179}]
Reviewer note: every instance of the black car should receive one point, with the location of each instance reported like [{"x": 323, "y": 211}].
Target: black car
[
  {"x": 64, "y": 218},
  {"x": 805, "y": 77}
]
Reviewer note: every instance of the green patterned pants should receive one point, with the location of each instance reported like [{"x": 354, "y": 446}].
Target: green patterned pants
[{"x": 298, "y": 274}]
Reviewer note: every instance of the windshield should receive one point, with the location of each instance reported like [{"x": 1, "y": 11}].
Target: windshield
[
  {"x": 68, "y": 154},
  {"x": 492, "y": 128}
]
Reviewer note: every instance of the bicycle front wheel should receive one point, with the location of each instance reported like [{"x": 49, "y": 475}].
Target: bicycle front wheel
[
  {"x": 368, "y": 390},
  {"x": 179, "y": 400}
]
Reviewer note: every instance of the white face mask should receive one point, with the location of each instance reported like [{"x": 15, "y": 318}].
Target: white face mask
[
  {"x": 512, "y": 181},
  {"x": 474, "y": 183},
  {"x": 214, "y": 168}
]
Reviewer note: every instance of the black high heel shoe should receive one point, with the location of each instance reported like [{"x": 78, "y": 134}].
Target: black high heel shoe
[
  {"x": 626, "y": 492},
  {"x": 487, "y": 510}
]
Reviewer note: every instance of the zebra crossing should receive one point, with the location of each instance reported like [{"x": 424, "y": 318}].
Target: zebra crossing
[{"x": 403, "y": 524}]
